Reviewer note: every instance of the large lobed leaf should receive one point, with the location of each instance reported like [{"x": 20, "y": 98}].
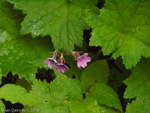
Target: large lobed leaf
[
  {"x": 122, "y": 28},
  {"x": 18, "y": 54},
  {"x": 63, "y": 20}
]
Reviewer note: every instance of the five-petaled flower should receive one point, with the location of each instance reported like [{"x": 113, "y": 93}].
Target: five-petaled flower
[
  {"x": 61, "y": 67},
  {"x": 51, "y": 61},
  {"x": 81, "y": 60}
]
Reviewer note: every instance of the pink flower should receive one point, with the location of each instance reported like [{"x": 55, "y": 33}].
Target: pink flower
[
  {"x": 51, "y": 61},
  {"x": 61, "y": 67},
  {"x": 82, "y": 60}
]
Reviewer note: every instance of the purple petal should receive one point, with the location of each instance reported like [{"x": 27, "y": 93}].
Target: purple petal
[
  {"x": 46, "y": 61},
  {"x": 83, "y": 60},
  {"x": 50, "y": 66},
  {"x": 87, "y": 59},
  {"x": 51, "y": 63},
  {"x": 79, "y": 64},
  {"x": 85, "y": 55},
  {"x": 59, "y": 70},
  {"x": 62, "y": 68},
  {"x": 84, "y": 64}
]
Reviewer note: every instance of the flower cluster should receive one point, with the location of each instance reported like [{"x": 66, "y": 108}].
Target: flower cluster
[{"x": 81, "y": 61}]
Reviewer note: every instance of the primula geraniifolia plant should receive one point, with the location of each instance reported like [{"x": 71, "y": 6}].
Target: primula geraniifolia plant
[{"x": 43, "y": 70}]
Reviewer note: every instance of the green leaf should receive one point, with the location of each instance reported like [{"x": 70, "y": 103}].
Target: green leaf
[
  {"x": 106, "y": 109},
  {"x": 89, "y": 105},
  {"x": 64, "y": 21},
  {"x": 138, "y": 84},
  {"x": 0, "y": 76},
  {"x": 95, "y": 72},
  {"x": 51, "y": 95},
  {"x": 73, "y": 70},
  {"x": 122, "y": 28},
  {"x": 52, "y": 99},
  {"x": 105, "y": 95},
  {"x": 139, "y": 106},
  {"x": 2, "y": 107},
  {"x": 24, "y": 83},
  {"x": 41, "y": 89},
  {"x": 70, "y": 86},
  {"x": 15, "y": 94},
  {"x": 55, "y": 97},
  {"x": 116, "y": 78},
  {"x": 18, "y": 54},
  {"x": 47, "y": 108}
]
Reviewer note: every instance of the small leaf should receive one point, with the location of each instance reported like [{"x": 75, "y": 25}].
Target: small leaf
[
  {"x": 95, "y": 72},
  {"x": 105, "y": 95},
  {"x": 138, "y": 84}
]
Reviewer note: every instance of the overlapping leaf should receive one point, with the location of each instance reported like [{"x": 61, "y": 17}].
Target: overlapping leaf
[
  {"x": 63, "y": 20},
  {"x": 2, "y": 107},
  {"x": 0, "y": 76},
  {"x": 106, "y": 109},
  {"x": 138, "y": 84},
  {"x": 96, "y": 72},
  {"x": 70, "y": 86},
  {"x": 122, "y": 28},
  {"x": 105, "y": 95},
  {"x": 45, "y": 97},
  {"x": 17, "y": 94},
  {"x": 73, "y": 70},
  {"x": 139, "y": 106},
  {"x": 56, "y": 95},
  {"x": 52, "y": 97},
  {"x": 89, "y": 105},
  {"x": 18, "y": 54}
]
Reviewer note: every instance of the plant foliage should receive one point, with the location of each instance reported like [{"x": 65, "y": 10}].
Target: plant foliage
[{"x": 114, "y": 50}]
